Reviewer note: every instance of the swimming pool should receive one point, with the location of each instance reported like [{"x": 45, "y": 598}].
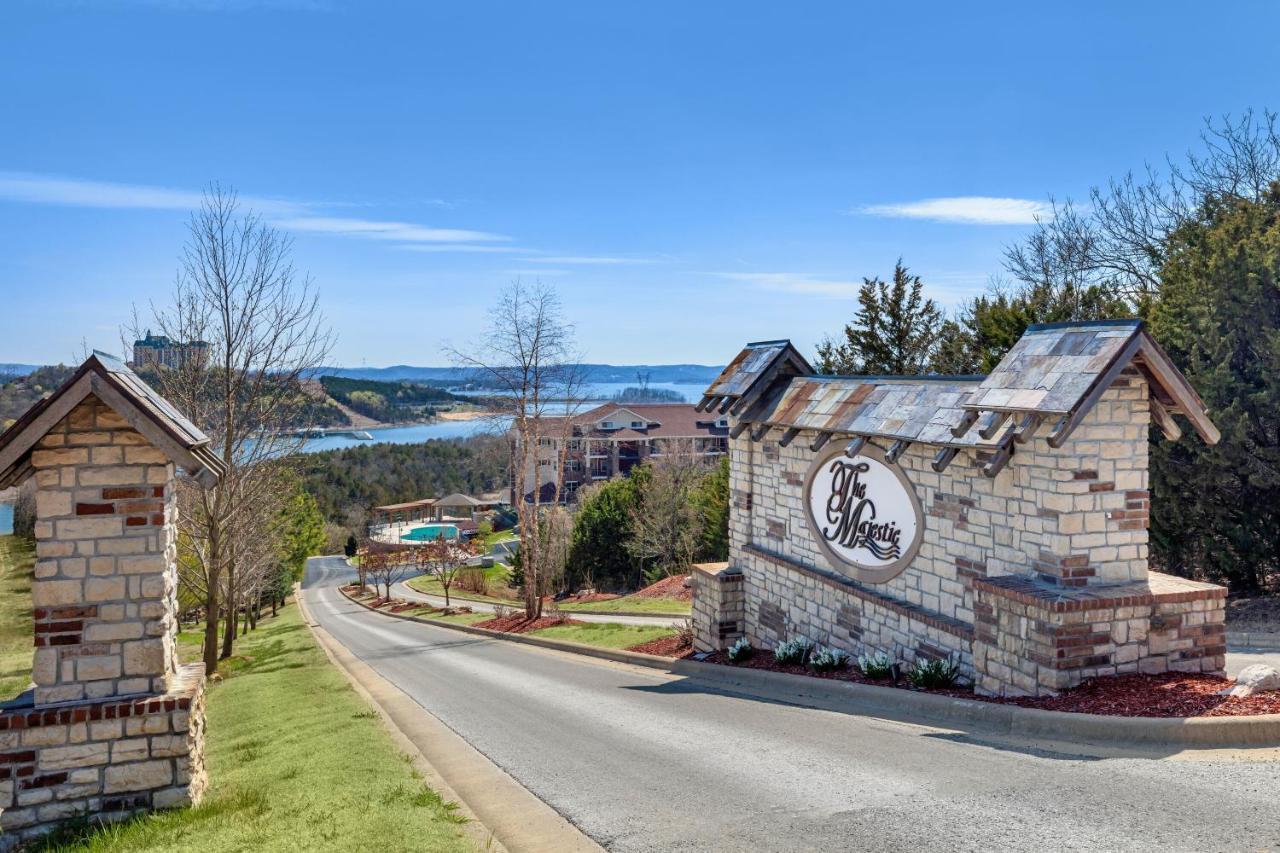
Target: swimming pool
[{"x": 431, "y": 531}]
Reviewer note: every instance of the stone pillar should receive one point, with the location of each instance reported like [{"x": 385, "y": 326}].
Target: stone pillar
[
  {"x": 105, "y": 588},
  {"x": 718, "y": 606}
]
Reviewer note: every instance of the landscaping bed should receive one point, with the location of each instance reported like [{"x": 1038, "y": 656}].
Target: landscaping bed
[
  {"x": 667, "y": 596},
  {"x": 516, "y": 623},
  {"x": 1172, "y": 694}
]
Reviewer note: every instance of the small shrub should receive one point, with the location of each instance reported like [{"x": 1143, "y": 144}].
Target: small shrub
[
  {"x": 877, "y": 666},
  {"x": 684, "y": 631},
  {"x": 828, "y": 660},
  {"x": 474, "y": 580},
  {"x": 934, "y": 674},
  {"x": 793, "y": 652},
  {"x": 501, "y": 611},
  {"x": 740, "y": 650}
]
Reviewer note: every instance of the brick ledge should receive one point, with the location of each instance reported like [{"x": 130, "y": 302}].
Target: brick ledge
[
  {"x": 186, "y": 685},
  {"x": 935, "y": 620},
  {"x": 1157, "y": 589}
]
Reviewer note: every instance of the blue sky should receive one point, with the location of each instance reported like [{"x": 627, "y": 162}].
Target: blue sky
[{"x": 690, "y": 175}]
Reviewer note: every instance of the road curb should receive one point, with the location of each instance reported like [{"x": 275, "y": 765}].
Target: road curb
[
  {"x": 1253, "y": 640},
  {"x": 907, "y": 705},
  {"x": 505, "y": 816}
]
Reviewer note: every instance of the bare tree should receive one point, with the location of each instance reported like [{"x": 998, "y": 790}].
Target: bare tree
[
  {"x": 530, "y": 358},
  {"x": 447, "y": 559},
  {"x": 387, "y": 565},
  {"x": 1119, "y": 242},
  {"x": 258, "y": 332},
  {"x": 666, "y": 524}
]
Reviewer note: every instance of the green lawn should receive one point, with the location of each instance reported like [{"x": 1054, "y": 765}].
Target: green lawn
[
  {"x": 500, "y": 536},
  {"x": 632, "y": 604},
  {"x": 497, "y": 576},
  {"x": 297, "y": 761},
  {"x": 16, "y": 560},
  {"x": 605, "y": 634}
]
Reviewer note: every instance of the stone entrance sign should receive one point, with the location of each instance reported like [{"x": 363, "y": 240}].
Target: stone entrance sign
[
  {"x": 1000, "y": 520},
  {"x": 114, "y": 723}
]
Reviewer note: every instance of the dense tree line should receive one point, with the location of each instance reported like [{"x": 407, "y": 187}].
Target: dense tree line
[
  {"x": 18, "y": 395},
  {"x": 637, "y": 529},
  {"x": 386, "y": 401},
  {"x": 357, "y": 478},
  {"x": 1195, "y": 251}
]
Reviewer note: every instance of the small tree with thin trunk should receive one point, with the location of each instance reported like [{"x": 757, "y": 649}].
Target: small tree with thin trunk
[
  {"x": 448, "y": 559},
  {"x": 666, "y": 523},
  {"x": 529, "y": 355}
]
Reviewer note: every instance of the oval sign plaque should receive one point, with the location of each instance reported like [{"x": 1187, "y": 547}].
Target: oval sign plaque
[{"x": 864, "y": 513}]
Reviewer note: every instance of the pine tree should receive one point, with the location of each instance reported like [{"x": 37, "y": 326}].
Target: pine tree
[
  {"x": 894, "y": 331},
  {"x": 1217, "y": 509}
]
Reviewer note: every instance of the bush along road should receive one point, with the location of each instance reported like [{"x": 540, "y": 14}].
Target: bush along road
[{"x": 644, "y": 760}]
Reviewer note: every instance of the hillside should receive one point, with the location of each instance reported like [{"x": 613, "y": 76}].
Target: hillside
[
  {"x": 18, "y": 395},
  {"x": 694, "y": 374},
  {"x": 387, "y": 402}
]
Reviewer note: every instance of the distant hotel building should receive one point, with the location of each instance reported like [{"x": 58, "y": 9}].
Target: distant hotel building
[
  {"x": 160, "y": 351},
  {"x": 610, "y": 440}
]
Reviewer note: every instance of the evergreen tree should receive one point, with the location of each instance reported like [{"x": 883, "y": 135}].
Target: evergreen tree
[
  {"x": 301, "y": 534},
  {"x": 1218, "y": 508},
  {"x": 894, "y": 331},
  {"x": 711, "y": 498},
  {"x": 351, "y": 547},
  {"x": 598, "y": 553}
]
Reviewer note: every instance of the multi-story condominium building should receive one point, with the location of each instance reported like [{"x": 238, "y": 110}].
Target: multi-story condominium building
[
  {"x": 162, "y": 351},
  {"x": 610, "y": 440}
]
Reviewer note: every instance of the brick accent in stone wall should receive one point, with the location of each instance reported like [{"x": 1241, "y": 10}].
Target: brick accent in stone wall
[
  {"x": 1031, "y": 640},
  {"x": 105, "y": 582},
  {"x": 107, "y": 758}
]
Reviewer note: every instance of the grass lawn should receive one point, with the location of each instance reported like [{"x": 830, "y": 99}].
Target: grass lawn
[
  {"x": 16, "y": 560},
  {"x": 296, "y": 760},
  {"x": 632, "y": 604},
  {"x": 604, "y": 634},
  {"x": 497, "y": 577},
  {"x": 500, "y": 536}
]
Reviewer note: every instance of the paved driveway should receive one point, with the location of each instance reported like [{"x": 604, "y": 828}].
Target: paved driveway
[{"x": 644, "y": 761}]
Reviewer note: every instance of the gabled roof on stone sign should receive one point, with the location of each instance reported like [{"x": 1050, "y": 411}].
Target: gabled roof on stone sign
[
  {"x": 120, "y": 389},
  {"x": 751, "y": 373},
  {"x": 1057, "y": 371}
]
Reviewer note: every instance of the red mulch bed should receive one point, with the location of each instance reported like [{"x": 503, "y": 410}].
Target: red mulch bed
[
  {"x": 516, "y": 623},
  {"x": 672, "y": 587},
  {"x": 667, "y": 647},
  {"x": 1172, "y": 694},
  {"x": 579, "y": 599}
]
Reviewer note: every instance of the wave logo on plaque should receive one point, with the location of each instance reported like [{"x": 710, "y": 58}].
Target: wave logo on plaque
[{"x": 864, "y": 513}]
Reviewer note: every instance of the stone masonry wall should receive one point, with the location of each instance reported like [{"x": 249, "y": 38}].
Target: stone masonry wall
[
  {"x": 109, "y": 759},
  {"x": 1074, "y": 518},
  {"x": 105, "y": 578},
  {"x": 717, "y": 606}
]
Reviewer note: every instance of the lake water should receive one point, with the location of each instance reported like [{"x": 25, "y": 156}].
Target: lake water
[
  {"x": 599, "y": 392},
  {"x": 6, "y": 519}
]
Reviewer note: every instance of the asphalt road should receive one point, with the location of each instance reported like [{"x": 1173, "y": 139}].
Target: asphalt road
[{"x": 644, "y": 761}]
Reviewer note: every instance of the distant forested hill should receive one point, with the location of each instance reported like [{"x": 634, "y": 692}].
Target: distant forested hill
[
  {"x": 386, "y": 401},
  {"x": 358, "y": 478},
  {"x": 18, "y": 395},
  {"x": 691, "y": 373}
]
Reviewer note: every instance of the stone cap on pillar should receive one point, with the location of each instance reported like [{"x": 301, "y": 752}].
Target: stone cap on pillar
[{"x": 111, "y": 381}]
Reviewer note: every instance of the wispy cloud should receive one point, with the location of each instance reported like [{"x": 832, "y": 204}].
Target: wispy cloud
[
  {"x": 600, "y": 260},
  {"x": 810, "y": 284},
  {"x": 534, "y": 273},
  {"x": 461, "y": 247},
  {"x": 309, "y": 217},
  {"x": 402, "y": 232},
  {"x": 971, "y": 210}
]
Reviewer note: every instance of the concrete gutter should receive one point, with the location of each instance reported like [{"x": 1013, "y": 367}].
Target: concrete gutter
[
  {"x": 503, "y": 814},
  {"x": 1174, "y": 733}
]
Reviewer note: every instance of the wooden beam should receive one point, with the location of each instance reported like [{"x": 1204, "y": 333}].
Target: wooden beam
[
  {"x": 854, "y": 447},
  {"x": 1026, "y": 429},
  {"x": 1157, "y": 362},
  {"x": 993, "y": 425},
  {"x": 967, "y": 420},
  {"x": 738, "y": 428},
  {"x": 895, "y": 450},
  {"x": 1000, "y": 459},
  {"x": 760, "y": 432},
  {"x": 1067, "y": 425},
  {"x": 725, "y": 405},
  {"x": 1164, "y": 419},
  {"x": 788, "y": 436},
  {"x": 707, "y": 402},
  {"x": 823, "y": 438},
  {"x": 943, "y": 458}
]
